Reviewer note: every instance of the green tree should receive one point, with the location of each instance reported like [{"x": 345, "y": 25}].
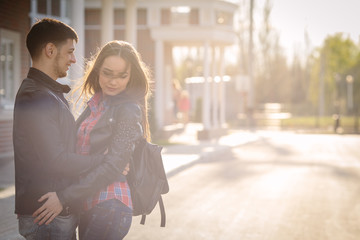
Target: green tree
[
  {"x": 355, "y": 73},
  {"x": 330, "y": 65}
]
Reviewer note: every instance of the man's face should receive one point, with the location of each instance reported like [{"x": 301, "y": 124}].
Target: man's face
[{"x": 64, "y": 58}]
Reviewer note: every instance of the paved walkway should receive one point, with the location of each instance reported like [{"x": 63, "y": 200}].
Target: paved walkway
[{"x": 183, "y": 151}]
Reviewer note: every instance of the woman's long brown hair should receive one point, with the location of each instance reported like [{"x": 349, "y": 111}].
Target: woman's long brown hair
[{"x": 138, "y": 86}]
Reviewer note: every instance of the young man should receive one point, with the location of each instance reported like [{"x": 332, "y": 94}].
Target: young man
[
  {"x": 44, "y": 138},
  {"x": 44, "y": 132}
]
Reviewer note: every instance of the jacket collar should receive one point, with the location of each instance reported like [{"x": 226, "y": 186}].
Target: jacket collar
[
  {"x": 118, "y": 99},
  {"x": 47, "y": 81},
  {"x": 96, "y": 104}
]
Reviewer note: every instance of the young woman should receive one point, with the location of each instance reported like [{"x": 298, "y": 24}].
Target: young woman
[
  {"x": 118, "y": 83},
  {"x": 116, "y": 88}
]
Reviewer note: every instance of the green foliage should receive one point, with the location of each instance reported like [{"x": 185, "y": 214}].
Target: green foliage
[
  {"x": 355, "y": 72},
  {"x": 332, "y": 63}
]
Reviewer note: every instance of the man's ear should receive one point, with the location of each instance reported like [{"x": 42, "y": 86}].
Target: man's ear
[{"x": 50, "y": 50}]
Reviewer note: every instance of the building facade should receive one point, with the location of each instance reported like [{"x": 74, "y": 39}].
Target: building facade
[
  {"x": 14, "y": 64},
  {"x": 154, "y": 27}
]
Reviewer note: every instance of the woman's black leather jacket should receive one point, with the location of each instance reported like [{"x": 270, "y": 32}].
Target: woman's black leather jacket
[{"x": 117, "y": 132}]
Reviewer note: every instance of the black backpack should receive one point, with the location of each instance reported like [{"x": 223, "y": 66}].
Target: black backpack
[{"x": 147, "y": 180}]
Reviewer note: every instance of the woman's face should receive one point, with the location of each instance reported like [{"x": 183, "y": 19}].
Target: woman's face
[{"x": 114, "y": 75}]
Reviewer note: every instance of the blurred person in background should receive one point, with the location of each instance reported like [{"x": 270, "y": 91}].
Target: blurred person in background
[{"x": 184, "y": 106}]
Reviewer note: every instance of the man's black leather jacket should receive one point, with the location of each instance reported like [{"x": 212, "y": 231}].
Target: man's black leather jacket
[{"x": 44, "y": 137}]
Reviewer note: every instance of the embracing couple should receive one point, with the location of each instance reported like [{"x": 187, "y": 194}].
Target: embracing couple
[{"x": 73, "y": 173}]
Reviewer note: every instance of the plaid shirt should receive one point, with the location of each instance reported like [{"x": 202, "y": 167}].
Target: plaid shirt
[{"x": 117, "y": 190}]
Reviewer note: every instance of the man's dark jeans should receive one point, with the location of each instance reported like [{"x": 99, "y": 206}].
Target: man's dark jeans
[{"x": 61, "y": 228}]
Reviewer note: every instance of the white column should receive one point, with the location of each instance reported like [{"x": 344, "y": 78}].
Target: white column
[
  {"x": 159, "y": 83},
  {"x": 206, "y": 92},
  {"x": 222, "y": 98},
  {"x": 168, "y": 89},
  {"x": 33, "y": 11},
  {"x": 63, "y": 9},
  {"x": 78, "y": 23},
  {"x": 131, "y": 22},
  {"x": 214, "y": 92},
  {"x": 107, "y": 21}
]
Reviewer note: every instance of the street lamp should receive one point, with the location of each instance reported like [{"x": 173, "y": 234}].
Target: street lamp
[{"x": 349, "y": 81}]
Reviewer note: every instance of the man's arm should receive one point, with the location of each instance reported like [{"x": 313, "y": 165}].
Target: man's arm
[
  {"x": 43, "y": 115},
  {"x": 127, "y": 132},
  {"x": 53, "y": 207}
]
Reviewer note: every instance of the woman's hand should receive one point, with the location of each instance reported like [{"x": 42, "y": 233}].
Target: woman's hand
[
  {"x": 126, "y": 170},
  {"x": 49, "y": 210}
]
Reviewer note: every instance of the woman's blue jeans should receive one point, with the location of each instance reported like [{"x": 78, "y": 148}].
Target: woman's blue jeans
[{"x": 108, "y": 220}]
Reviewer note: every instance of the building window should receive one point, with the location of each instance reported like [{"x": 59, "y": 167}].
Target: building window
[
  {"x": 194, "y": 17},
  {"x": 119, "y": 17},
  {"x": 141, "y": 17},
  {"x": 55, "y": 7},
  {"x": 42, "y": 6},
  {"x": 49, "y": 7},
  {"x": 165, "y": 16},
  {"x": 59, "y": 9},
  {"x": 9, "y": 66}
]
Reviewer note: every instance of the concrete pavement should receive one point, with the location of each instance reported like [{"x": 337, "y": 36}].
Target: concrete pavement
[{"x": 184, "y": 151}]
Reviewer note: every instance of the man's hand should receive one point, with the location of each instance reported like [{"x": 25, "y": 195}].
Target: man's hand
[{"x": 49, "y": 210}]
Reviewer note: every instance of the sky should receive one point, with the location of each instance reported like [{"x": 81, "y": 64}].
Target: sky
[{"x": 319, "y": 17}]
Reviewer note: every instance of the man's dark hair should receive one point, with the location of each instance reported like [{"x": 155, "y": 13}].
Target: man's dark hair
[{"x": 48, "y": 30}]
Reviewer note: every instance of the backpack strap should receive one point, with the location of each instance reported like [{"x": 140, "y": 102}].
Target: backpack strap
[
  {"x": 162, "y": 212},
  {"x": 143, "y": 218}
]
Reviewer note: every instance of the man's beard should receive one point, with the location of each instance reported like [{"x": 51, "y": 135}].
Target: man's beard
[{"x": 59, "y": 72}]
